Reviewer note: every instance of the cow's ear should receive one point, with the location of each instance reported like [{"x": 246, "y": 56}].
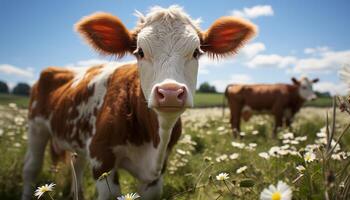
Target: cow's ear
[
  {"x": 295, "y": 81},
  {"x": 106, "y": 34},
  {"x": 315, "y": 80},
  {"x": 226, "y": 35}
]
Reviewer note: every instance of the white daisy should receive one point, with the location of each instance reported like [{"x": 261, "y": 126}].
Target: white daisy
[
  {"x": 234, "y": 156},
  {"x": 222, "y": 177},
  {"x": 42, "y": 189},
  {"x": 130, "y": 196},
  {"x": 241, "y": 169},
  {"x": 281, "y": 192},
  {"x": 264, "y": 155},
  {"x": 300, "y": 168},
  {"x": 309, "y": 156}
]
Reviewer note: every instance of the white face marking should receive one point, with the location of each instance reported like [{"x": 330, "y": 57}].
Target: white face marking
[
  {"x": 168, "y": 40},
  {"x": 306, "y": 90}
]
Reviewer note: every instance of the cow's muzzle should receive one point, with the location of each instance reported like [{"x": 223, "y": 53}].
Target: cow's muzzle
[{"x": 170, "y": 97}]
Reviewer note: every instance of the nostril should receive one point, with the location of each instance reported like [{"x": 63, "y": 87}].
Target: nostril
[
  {"x": 181, "y": 94},
  {"x": 160, "y": 93}
]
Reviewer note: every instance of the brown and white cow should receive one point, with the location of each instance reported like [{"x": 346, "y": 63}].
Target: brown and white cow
[
  {"x": 281, "y": 100},
  {"x": 126, "y": 115}
]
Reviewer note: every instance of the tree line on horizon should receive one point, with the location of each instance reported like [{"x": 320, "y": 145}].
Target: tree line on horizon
[{"x": 22, "y": 89}]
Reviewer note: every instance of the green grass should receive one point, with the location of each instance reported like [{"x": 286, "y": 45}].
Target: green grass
[
  {"x": 194, "y": 162},
  {"x": 21, "y": 101}
]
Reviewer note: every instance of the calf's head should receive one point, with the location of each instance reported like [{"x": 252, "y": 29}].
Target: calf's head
[
  {"x": 167, "y": 44},
  {"x": 305, "y": 88}
]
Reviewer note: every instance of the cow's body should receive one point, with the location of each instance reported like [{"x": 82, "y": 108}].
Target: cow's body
[
  {"x": 283, "y": 101},
  {"x": 100, "y": 113},
  {"x": 128, "y": 115}
]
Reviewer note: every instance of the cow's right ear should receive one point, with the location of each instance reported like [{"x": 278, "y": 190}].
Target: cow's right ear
[
  {"x": 106, "y": 34},
  {"x": 295, "y": 81}
]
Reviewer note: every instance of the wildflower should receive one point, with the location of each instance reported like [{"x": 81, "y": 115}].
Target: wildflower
[
  {"x": 222, "y": 177},
  {"x": 241, "y": 169},
  {"x": 130, "y": 196},
  {"x": 221, "y": 128},
  {"x": 255, "y": 132},
  {"x": 181, "y": 152},
  {"x": 300, "y": 168},
  {"x": 207, "y": 158},
  {"x": 234, "y": 156},
  {"x": 42, "y": 189},
  {"x": 221, "y": 158},
  {"x": 288, "y": 136},
  {"x": 309, "y": 157},
  {"x": 264, "y": 155},
  {"x": 281, "y": 192},
  {"x": 104, "y": 175},
  {"x": 238, "y": 145},
  {"x": 274, "y": 151},
  {"x": 242, "y": 134},
  {"x": 301, "y": 138}
]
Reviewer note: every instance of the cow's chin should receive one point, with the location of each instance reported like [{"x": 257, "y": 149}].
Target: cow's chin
[{"x": 169, "y": 109}]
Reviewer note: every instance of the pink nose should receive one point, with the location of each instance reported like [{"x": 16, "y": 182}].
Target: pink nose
[{"x": 170, "y": 95}]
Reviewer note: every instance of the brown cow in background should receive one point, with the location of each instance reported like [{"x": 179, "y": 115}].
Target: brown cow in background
[{"x": 281, "y": 100}]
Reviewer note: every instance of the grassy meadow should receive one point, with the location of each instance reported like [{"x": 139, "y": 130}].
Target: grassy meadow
[{"x": 207, "y": 148}]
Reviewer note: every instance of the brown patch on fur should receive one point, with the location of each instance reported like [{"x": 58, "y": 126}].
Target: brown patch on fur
[
  {"x": 275, "y": 98},
  {"x": 123, "y": 117},
  {"x": 226, "y": 35},
  {"x": 106, "y": 34}
]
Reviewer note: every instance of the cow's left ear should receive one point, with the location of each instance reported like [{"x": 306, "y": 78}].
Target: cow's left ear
[
  {"x": 226, "y": 35},
  {"x": 106, "y": 34},
  {"x": 315, "y": 80}
]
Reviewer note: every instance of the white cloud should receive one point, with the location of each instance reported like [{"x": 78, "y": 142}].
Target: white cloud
[
  {"x": 333, "y": 88},
  {"x": 12, "y": 70},
  {"x": 272, "y": 60},
  {"x": 86, "y": 63},
  {"x": 247, "y": 52},
  {"x": 327, "y": 62},
  {"x": 251, "y": 50},
  {"x": 316, "y": 50},
  {"x": 220, "y": 85},
  {"x": 254, "y": 12}
]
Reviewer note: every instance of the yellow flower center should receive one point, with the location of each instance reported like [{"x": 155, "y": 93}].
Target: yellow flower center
[{"x": 276, "y": 196}]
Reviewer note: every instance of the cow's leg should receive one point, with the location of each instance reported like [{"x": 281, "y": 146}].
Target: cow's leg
[
  {"x": 79, "y": 165},
  {"x": 38, "y": 137},
  {"x": 236, "y": 110},
  {"x": 108, "y": 186},
  {"x": 153, "y": 190},
  {"x": 104, "y": 162}
]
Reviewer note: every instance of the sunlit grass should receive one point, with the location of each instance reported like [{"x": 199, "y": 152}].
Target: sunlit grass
[{"x": 204, "y": 151}]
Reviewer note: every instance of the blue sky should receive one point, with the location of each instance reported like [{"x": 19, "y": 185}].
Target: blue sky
[{"x": 295, "y": 38}]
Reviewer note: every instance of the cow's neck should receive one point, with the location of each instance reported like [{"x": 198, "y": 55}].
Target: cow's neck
[{"x": 166, "y": 124}]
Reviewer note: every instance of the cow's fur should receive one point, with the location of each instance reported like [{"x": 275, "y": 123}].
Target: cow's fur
[
  {"x": 283, "y": 101},
  {"x": 107, "y": 114}
]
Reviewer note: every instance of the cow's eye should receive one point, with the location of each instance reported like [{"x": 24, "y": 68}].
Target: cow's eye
[
  {"x": 196, "y": 53},
  {"x": 139, "y": 53}
]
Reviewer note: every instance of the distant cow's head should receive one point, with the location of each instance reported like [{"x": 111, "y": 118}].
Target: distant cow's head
[
  {"x": 167, "y": 44},
  {"x": 305, "y": 87}
]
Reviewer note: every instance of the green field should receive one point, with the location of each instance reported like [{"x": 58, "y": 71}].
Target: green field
[
  {"x": 20, "y": 101},
  {"x": 210, "y": 100},
  {"x": 201, "y": 100},
  {"x": 207, "y": 148}
]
